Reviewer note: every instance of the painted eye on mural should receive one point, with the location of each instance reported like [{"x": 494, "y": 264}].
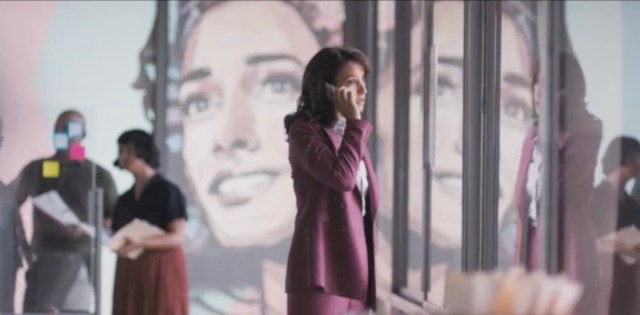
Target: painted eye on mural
[
  {"x": 196, "y": 104},
  {"x": 279, "y": 85},
  {"x": 517, "y": 109},
  {"x": 445, "y": 85}
]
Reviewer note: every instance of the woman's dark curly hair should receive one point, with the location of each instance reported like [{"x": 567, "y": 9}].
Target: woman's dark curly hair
[{"x": 314, "y": 101}]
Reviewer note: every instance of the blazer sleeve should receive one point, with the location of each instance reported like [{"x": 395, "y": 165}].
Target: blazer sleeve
[
  {"x": 578, "y": 160},
  {"x": 313, "y": 153}
]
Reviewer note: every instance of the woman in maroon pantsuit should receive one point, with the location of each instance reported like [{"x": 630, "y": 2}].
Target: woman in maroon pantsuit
[
  {"x": 577, "y": 146},
  {"x": 331, "y": 261},
  {"x": 156, "y": 282}
]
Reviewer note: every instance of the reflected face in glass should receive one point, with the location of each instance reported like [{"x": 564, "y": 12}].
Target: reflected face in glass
[
  {"x": 515, "y": 118},
  {"x": 235, "y": 153}
]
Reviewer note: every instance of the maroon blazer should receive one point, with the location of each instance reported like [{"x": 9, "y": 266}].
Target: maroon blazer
[
  {"x": 578, "y": 152},
  {"x": 329, "y": 247}
]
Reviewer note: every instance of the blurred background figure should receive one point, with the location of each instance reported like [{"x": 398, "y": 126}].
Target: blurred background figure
[
  {"x": 58, "y": 255},
  {"x": 578, "y": 144},
  {"x": 614, "y": 209},
  {"x": 155, "y": 282}
]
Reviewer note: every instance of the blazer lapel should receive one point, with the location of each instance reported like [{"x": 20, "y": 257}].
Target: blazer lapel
[
  {"x": 372, "y": 195},
  {"x": 334, "y": 138}
]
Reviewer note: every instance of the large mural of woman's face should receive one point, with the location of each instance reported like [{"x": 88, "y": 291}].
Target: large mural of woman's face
[
  {"x": 234, "y": 151},
  {"x": 446, "y": 194}
]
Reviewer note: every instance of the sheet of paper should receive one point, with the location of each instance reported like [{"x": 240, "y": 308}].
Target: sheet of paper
[
  {"x": 52, "y": 204},
  {"x": 136, "y": 229},
  {"x": 87, "y": 228}
]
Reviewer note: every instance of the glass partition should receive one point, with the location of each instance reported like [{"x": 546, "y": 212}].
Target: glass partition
[{"x": 61, "y": 56}]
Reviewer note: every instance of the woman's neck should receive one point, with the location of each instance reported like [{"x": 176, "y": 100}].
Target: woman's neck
[{"x": 142, "y": 177}]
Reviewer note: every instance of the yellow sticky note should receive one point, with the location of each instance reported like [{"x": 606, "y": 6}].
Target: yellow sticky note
[{"x": 50, "y": 169}]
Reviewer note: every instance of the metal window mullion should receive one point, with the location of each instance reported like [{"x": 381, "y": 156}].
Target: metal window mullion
[
  {"x": 472, "y": 123},
  {"x": 95, "y": 208},
  {"x": 429, "y": 78},
  {"x": 489, "y": 188},
  {"x": 402, "y": 49},
  {"x": 161, "y": 41},
  {"x": 361, "y": 32},
  {"x": 551, "y": 42}
]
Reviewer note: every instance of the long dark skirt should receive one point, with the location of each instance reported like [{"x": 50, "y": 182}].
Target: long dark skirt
[
  {"x": 154, "y": 284},
  {"x": 624, "y": 291}
]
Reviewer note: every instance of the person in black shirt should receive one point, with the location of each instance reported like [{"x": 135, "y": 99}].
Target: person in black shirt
[
  {"x": 155, "y": 282},
  {"x": 58, "y": 254},
  {"x": 614, "y": 209}
]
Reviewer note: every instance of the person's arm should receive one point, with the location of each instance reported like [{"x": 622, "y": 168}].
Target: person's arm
[
  {"x": 339, "y": 171},
  {"x": 173, "y": 238},
  {"x": 20, "y": 189},
  {"x": 174, "y": 209},
  {"x": 110, "y": 197}
]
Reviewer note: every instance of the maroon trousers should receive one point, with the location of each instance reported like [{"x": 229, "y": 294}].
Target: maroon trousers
[{"x": 314, "y": 301}]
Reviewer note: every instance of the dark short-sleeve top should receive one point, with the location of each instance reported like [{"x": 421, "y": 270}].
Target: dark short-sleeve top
[
  {"x": 160, "y": 203},
  {"x": 73, "y": 184}
]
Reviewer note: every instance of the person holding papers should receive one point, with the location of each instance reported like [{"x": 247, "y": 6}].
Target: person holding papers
[
  {"x": 58, "y": 279},
  {"x": 614, "y": 209},
  {"x": 153, "y": 281}
]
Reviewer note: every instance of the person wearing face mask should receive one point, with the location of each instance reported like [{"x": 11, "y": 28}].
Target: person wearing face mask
[
  {"x": 330, "y": 267},
  {"x": 614, "y": 209},
  {"x": 57, "y": 279}
]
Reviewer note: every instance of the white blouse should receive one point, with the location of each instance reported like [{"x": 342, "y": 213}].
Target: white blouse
[
  {"x": 534, "y": 175},
  {"x": 363, "y": 185},
  {"x": 363, "y": 182}
]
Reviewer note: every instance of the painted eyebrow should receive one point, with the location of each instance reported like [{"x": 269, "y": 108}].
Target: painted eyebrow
[
  {"x": 272, "y": 57},
  {"x": 517, "y": 79},
  {"x": 197, "y": 74}
]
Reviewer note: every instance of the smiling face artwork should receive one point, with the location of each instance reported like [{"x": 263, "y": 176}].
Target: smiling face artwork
[{"x": 234, "y": 156}]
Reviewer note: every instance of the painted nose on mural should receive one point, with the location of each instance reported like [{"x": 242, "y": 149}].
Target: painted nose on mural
[
  {"x": 239, "y": 131},
  {"x": 238, "y": 139}
]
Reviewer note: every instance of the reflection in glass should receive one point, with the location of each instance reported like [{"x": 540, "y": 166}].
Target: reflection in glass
[{"x": 235, "y": 72}]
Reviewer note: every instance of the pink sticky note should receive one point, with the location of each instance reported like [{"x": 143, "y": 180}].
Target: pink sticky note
[{"x": 76, "y": 152}]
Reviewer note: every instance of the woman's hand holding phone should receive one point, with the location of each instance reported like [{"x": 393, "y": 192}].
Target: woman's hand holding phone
[{"x": 344, "y": 99}]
